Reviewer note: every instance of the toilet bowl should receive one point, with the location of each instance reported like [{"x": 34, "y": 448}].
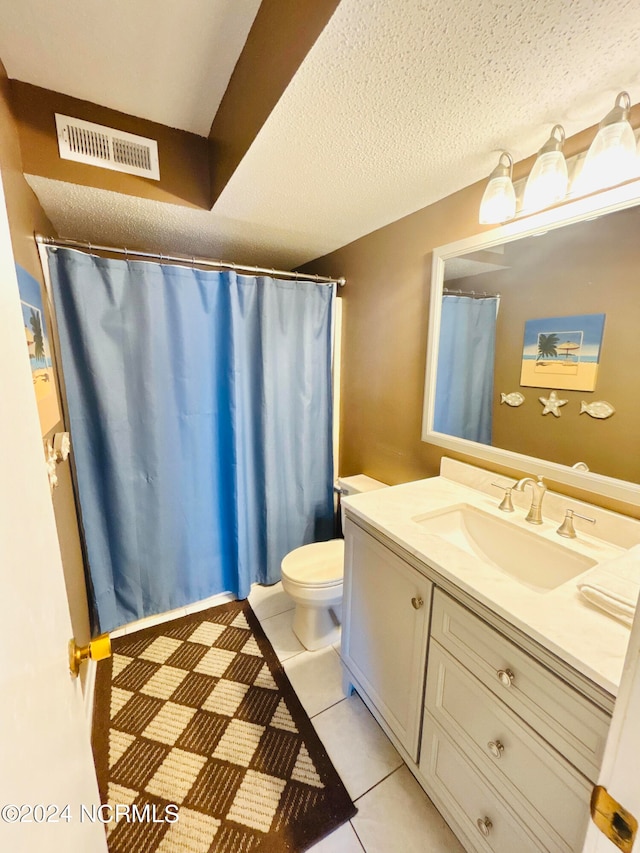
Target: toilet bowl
[{"x": 312, "y": 576}]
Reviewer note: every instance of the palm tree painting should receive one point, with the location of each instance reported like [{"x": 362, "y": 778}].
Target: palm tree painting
[
  {"x": 35, "y": 329},
  {"x": 547, "y": 346},
  {"x": 562, "y": 352},
  {"x": 38, "y": 337}
]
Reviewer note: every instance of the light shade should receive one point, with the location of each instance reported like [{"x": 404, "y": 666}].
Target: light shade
[
  {"x": 549, "y": 178},
  {"x": 499, "y": 200},
  {"x": 612, "y": 157}
]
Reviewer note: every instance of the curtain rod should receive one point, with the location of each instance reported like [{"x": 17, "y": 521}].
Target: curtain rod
[
  {"x": 193, "y": 261},
  {"x": 471, "y": 293}
]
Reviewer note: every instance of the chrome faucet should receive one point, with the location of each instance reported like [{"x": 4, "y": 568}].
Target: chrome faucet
[{"x": 538, "y": 488}]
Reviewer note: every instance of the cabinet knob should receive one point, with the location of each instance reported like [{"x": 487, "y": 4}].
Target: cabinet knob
[
  {"x": 417, "y": 602},
  {"x": 505, "y": 677},
  {"x": 484, "y": 825},
  {"x": 495, "y": 748}
]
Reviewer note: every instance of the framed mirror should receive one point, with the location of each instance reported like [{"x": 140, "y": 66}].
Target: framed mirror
[{"x": 533, "y": 357}]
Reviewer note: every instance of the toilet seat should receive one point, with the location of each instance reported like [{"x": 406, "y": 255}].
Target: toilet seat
[{"x": 318, "y": 565}]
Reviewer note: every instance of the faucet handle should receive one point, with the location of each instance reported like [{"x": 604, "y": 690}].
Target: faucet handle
[
  {"x": 506, "y": 504},
  {"x": 567, "y": 529}
]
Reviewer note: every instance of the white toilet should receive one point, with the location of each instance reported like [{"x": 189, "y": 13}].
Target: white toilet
[{"x": 312, "y": 575}]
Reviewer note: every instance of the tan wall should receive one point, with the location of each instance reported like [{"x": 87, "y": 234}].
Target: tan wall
[
  {"x": 184, "y": 157},
  {"x": 589, "y": 268},
  {"x": 386, "y": 302},
  {"x": 25, "y": 217}
]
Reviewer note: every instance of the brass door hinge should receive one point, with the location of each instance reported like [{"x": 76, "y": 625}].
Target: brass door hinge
[{"x": 619, "y": 825}]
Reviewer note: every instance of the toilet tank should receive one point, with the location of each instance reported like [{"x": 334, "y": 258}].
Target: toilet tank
[{"x": 355, "y": 485}]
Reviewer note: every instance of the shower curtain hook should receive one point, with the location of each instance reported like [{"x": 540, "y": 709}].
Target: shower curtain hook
[{"x": 126, "y": 254}]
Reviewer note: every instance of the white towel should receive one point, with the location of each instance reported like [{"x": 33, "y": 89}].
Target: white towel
[{"x": 614, "y": 586}]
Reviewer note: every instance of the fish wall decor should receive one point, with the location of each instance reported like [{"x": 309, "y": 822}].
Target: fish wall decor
[
  {"x": 515, "y": 398},
  {"x": 597, "y": 409}
]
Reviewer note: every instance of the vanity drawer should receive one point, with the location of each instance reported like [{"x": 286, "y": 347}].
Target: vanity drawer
[
  {"x": 564, "y": 717},
  {"x": 463, "y": 794},
  {"x": 509, "y": 753}
]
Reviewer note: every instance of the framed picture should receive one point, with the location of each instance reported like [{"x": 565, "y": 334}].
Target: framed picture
[
  {"x": 37, "y": 337},
  {"x": 562, "y": 352}
]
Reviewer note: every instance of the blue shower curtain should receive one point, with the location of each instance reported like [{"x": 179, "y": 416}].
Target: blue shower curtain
[
  {"x": 466, "y": 353},
  {"x": 200, "y": 414}
]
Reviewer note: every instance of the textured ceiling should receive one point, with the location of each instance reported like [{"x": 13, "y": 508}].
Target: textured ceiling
[
  {"x": 397, "y": 105},
  {"x": 103, "y": 217},
  {"x": 157, "y": 59}
]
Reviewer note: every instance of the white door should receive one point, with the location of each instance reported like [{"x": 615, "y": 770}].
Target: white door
[
  {"x": 619, "y": 773},
  {"x": 45, "y": 755}
]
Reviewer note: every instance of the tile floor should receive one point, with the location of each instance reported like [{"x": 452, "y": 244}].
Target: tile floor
[{"x": 394, "y": 813}]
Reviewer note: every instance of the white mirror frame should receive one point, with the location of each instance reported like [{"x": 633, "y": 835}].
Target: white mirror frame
[{"x": 618, "y": 198}]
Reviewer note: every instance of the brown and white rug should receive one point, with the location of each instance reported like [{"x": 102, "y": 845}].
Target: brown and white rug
[{"x": 196, "y": 718}]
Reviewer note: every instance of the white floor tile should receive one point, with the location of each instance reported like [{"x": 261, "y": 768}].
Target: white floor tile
[
  {"x": 342, "y": 840},
  {"x": 360, "y": 751},
  {"x": 268, "y": 601},
  {"x": 317, "y": 679},
  {"x": 280, "y": 634},
  {"x": 398, "y": 815}
]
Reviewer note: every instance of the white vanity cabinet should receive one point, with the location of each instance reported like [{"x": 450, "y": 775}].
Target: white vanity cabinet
[
  {"x": 385, "y": 633},
  {"x": 508, "y": 750}
]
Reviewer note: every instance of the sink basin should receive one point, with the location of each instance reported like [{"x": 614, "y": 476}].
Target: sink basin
[{"x": 522, "y": 554}]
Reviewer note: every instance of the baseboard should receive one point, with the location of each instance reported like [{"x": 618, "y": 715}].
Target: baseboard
[{"x": 89, "y": 689}]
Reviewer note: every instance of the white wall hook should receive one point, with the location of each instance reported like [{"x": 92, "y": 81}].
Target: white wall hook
[
  {"x": 62, "y": 446},
  {"x": 51, "y": 463}
]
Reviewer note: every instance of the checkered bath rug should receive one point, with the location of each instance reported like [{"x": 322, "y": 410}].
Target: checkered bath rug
[{"x": 196, "y": 718}]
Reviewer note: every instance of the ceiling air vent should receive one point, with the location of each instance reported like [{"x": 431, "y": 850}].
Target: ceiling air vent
[{"x": 97, "y": 145}]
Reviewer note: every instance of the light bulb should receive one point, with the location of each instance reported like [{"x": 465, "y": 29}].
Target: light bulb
[
  {"x": 612, "y": 156},
  {"x": 548, "y": 181},
  {"x": 499, "y": 200}
]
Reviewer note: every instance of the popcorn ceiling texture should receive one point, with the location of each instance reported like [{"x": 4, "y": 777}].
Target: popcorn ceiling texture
[
  {"x": 397, "y": 105},
  {"x": 113, "y": 219}
]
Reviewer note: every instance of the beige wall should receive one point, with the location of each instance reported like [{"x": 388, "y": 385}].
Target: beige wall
[
  {"x": 25, "y": 217},
  {"x": 589, "y": 268},
  {"x": 386, "y": 302},
  {"x": 184, "y": 157}
]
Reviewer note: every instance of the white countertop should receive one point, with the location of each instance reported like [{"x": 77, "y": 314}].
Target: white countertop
[{"x": 559, "y": 619}]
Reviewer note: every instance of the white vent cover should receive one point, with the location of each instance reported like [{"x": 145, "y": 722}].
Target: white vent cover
[{"x": 97, "y": 145}]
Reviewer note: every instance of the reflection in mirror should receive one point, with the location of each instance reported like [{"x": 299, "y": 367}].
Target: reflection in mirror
[{"x": 556, "y": 311}]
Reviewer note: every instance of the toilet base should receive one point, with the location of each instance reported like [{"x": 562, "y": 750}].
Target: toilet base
[{"x": 315, "y": 627}]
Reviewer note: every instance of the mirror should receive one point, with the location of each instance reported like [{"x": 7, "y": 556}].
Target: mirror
[{"x": 531, "y": 325}]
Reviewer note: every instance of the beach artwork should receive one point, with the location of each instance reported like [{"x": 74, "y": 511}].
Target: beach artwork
[
  {"x": 562, "y": 352},
  {"x": 35, "y": 330}
]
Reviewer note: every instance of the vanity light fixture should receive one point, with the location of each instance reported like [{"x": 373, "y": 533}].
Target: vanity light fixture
[
  {"x": 549, "y": 178},
  {"x": 612, "y": 157},
  {"x": 499, "y": 200}
]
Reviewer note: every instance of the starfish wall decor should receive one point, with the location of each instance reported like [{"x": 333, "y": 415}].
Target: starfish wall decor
[{"x": 552, "y": 404}]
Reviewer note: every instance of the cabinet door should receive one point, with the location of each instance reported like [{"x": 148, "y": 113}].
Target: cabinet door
[{"x": 386, "y": 620}]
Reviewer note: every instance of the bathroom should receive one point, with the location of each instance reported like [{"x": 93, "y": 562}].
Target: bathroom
[{"x": 386, "y": 298}]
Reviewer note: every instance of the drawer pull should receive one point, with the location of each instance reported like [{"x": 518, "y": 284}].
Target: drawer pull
[
  {"x": 505, "y": 677},
  {"x": 484, "y": 825},
  {"x": 417, "y": 602},
  {"x": 495, "y": 748}
]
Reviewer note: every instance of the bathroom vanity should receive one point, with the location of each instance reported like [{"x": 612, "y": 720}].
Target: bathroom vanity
[{"x": 492, "y": 677}]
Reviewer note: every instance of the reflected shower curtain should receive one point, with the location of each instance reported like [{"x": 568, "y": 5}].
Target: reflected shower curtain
[
  {"x": 466, "y": 352},
  {"x": 200, "y": 413}
]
